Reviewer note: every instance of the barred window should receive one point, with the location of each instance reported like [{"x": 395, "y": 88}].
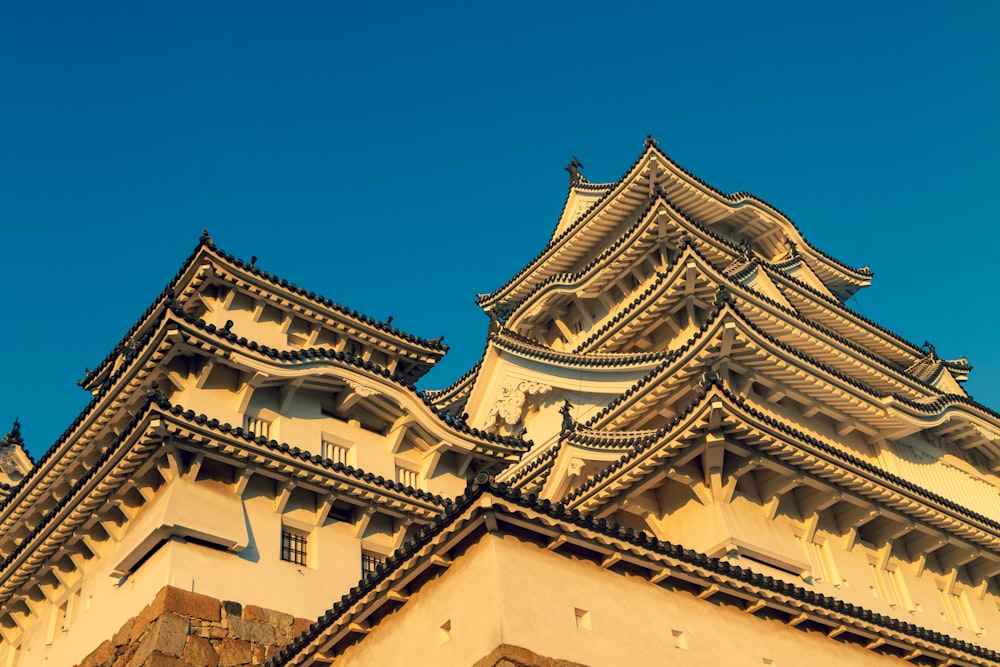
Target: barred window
[
  {"x": 369, "y": 562},
  {"x": 293, "y": 547}
]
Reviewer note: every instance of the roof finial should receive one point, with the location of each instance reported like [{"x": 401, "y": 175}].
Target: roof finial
[
  {"x": 205, "y": 238},
  {"x": 13, "y": 438},
  {"x": 931, "y": 350},
  {"x": 567, "y": 416},
  {"x": 650, "y": 141},
  {"x": 710, "y": 377},
  {"x": 574, "y": 168}
]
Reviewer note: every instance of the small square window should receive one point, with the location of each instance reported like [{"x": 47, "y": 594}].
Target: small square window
[{"x": 293, "y": 546}]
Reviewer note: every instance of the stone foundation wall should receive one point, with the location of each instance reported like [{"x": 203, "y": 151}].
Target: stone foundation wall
[{"x": 183, "y": 628}]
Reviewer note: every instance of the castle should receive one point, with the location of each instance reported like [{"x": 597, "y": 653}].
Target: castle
[{"x": 679, "y": 445}]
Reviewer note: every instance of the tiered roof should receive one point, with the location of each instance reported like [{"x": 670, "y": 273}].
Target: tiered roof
[
  {"x": 744, "y": 372},
  {"x": 733, "y": 327},
  {"x": 133, "y": 438}
]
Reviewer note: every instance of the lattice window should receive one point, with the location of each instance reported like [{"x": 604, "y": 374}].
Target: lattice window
[
  {"x": 334, "y": 452},
  {"x": 369, "y": 562},
  {"x": 257, "y": 426},
  {"x": 293, "y": 546},
  {"x": 407, "y": 477}
]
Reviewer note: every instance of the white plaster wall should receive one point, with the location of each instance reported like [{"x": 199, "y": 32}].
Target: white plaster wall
[
  {"x": 506, "y": 591},
  {"x": 256, "y": 575},
  {"x": 467, "y": 595}
]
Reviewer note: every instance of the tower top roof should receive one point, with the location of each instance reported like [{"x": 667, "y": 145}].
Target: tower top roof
[{"x": 594, "y": 214}]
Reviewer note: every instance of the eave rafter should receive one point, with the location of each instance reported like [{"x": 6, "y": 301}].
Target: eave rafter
[
  {"x": 654, "y": 173},
  {"x": 673, "y": 299},
  {"x": 209, "y": 267},
  {"x": 733, "y": 346},
  {"x": 805, "y": 460},
  {"x": 649, "y": 245},
  {"x": 174, "y": 443},
  {"x": 487, "y": 510},
  {"x": 260, "y": 367},
  {"x": 772, "y": 319}
]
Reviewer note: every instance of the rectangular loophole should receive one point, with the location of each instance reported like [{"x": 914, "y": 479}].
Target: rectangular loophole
[
  {"x": 444, "y": 632},
  {"x": 407, "y": 477},
  {"x": 583, "y": 619},
  {"x": 335, "y": 452},
  {"x": 259, "y": 427},
  {"x": 680, "y": 639}
]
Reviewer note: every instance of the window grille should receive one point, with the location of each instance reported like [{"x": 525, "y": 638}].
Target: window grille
[
  {"x": 369, "y": 562},
  {"x": 407, "y": 477},
  {"x": 257, "y": 426},
  {"x": 334, "y": 452},
  {"x": 293, "y": 547}
]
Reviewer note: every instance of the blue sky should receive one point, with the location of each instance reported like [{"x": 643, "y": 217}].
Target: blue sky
[{"x": 401, "y": 157}]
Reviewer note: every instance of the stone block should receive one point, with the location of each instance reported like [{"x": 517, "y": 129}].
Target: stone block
[
  {"x": 157, "y": 659},
  {"x": 102, "y": 655},
  {"x": 176, "y": 600},
  {"x": 252, "y": 612},
  {"x": 169, "y": 634},
  {"x": 191, "y": 604},
  {"x": 257, "y": 633},
  {"x": 166, "y": 635},
  {"x": 279, "y": 619},
  {"x": 199, "y": 652},
  {"x": 124, "y": 657},
  {"x": 234, "y": 652},
  {"x": 121, "y": 637}
]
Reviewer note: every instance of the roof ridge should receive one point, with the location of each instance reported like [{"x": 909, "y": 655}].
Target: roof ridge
[{"x": 743, "y": 404}]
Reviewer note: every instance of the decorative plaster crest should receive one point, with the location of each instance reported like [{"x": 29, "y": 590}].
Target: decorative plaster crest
[
  {"x": 362, "y": 390},
  {"x": 510, "y": 405},
  {"x": 987, "y": 433},
  {"x": 8, "y": 464}
]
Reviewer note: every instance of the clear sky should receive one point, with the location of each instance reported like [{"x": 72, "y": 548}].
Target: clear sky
[{"x": 400, "y": 157}]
